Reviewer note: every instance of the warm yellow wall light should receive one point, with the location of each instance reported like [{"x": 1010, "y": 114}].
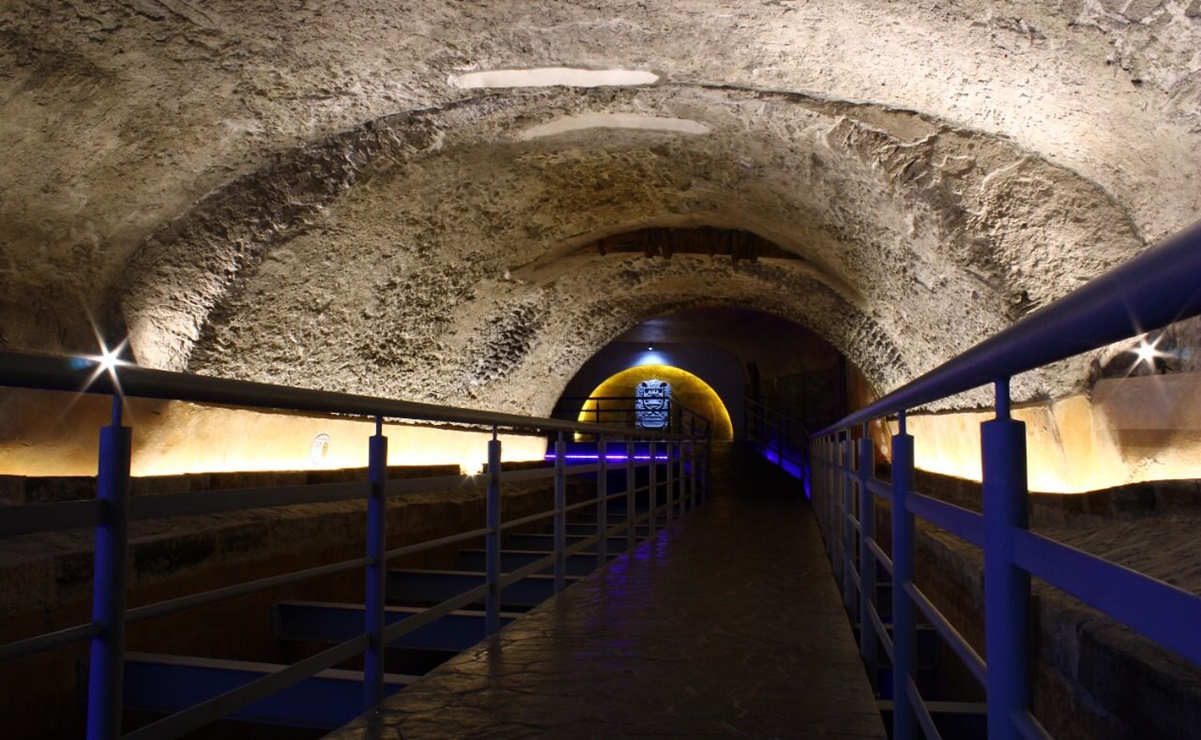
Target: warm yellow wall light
[{"x": 686, "y": 389}]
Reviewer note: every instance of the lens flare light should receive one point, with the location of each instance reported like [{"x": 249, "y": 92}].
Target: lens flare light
[
  {"x": 1147, "y": 353},
  {"x": 106, "y": 362}
]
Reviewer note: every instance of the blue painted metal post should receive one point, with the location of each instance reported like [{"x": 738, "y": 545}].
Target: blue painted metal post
[
  {"x": 819, "y": 504},
  {"x": 108, "y": 588},
  {"x": 848, "y": 529},
  {"x": 670, "y": 484},
  {"x": 692, "y": 475},
  {"x": 1006, "y": 587},
  {"x": 653, "y": 489},
  {"x": 904, "y": 619},
  {"x": 602, "y": 505},
  {"x": 377, "y": 569},
  {"x": 867, "y": 561},
  {"x": 492, "y": 541},
  {"x": 831, "y": 495},
  {"x": 818, "y": 510},
  {"x": 631, "y": 480},
  {"x": 560, "y": 514},
  {"x": 832, "y": 504}
]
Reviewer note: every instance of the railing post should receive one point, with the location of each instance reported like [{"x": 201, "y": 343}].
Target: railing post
[
  {"x": 376, "y": 576},
  {"x": 867, "y": 561},
  {"x": 492, "y": 542},
  {"x": 832, "y": 498},
  {"x": 818, "y": 510},
  {"x": 560, "y": 514},
  {"x": 108, "y": 589},
  {"x": 653, "y": 489},
  {"x": 602, "y": 504},
  {"x": 904, "y": 619},
  {"x": 848, "y": 527},
  {"x": 671, "y": 481},
  {"x": 1006, "y": 587},
  {"x": 692, "y": 475},
  {"x": 707, "y": 488},
  {"x": 631, "y": 504},
  {"x": 832, "y": 502}
]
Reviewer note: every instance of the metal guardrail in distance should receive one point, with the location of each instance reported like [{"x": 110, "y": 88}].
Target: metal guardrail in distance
[
  {"x": 623, "y": 411},
  {"x": 644, "y": 491},
  {"x": 1149, "y": 292},
  {"x": 782, "y": 439}
]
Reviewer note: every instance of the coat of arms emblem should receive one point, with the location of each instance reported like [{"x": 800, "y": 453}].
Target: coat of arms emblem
[{"x": 652, "y": 405}]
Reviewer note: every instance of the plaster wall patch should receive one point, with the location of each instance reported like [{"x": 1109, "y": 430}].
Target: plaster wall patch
[
  {"x": 552, "y": 76},
  {"x": 613, "y": 120}
]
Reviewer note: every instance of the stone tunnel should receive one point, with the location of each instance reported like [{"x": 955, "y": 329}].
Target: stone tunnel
[{"x": 499, "y": 204}]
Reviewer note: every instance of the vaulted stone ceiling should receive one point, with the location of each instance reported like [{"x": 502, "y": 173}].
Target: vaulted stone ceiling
[{"x": 318, "y": 193}]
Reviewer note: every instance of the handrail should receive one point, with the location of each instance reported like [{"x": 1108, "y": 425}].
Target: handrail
[
  {"x": 83, "y": 374},
  {"x": 574, "y": 405},
  {"x": 768, "y": 410},
  {"x": 783, "y": 438},
  {"x": 1154, "y": 289},
  {"x": 113, "y": 509},
  {"x": 585, "y": 399}
]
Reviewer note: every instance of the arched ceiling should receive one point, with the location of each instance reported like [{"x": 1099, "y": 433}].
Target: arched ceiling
[{"x": 312, "y": 194}]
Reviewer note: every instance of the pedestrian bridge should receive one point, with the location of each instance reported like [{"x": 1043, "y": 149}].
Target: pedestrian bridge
[
  {"x": 714, "y": 610},
  {"x": 726, "y": 623}
]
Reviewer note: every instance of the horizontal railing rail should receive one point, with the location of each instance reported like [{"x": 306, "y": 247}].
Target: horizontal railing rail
[
  {"x": 622, "y": 409},
  {"x": 95, "y": 375},
  {"x": 674, "y": 473},
  {"x": 781, "y": 438},
  {"x": 1158, "y": 287}
]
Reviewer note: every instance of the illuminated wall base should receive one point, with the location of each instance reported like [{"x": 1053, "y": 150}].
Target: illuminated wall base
[
  {"x": 1131, "y": 430},
  {"x": 55, "y": 434}
]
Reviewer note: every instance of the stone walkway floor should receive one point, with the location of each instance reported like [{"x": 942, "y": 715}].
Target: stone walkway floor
[{"x": 729, "y": 624}]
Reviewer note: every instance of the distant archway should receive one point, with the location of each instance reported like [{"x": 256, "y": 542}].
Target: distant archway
[{"x": 686, "y": 389}]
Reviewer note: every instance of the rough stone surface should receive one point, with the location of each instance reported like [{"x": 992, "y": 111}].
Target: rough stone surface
[{"x": 301, "y": 194}]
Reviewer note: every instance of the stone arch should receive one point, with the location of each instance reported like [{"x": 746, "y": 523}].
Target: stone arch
[
  {"x": 927, "y": 260},
  {"x": 578, "y": 324}
]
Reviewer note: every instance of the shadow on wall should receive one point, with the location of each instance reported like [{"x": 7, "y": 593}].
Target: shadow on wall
[{"x": 686, "y": 389}]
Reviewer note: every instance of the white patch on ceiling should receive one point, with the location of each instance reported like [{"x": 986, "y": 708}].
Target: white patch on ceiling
[
  {"x": 613, "y": 120},
  {"x": 552, "y": 76}
]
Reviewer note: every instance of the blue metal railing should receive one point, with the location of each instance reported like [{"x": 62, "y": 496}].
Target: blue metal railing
[
  {"x": 683, "y": 487},
  {"x": 779, "y": 437},
  {"x": 621, "y": 411},
  {"x": 1160, "y": 286}
]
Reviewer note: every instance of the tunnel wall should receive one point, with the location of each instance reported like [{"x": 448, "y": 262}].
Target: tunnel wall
[
  {"x": 56, "y": 434},
  {"x": 1138, "y": 429}
]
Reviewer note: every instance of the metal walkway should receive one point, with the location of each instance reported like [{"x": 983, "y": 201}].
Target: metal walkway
[{"x": 729, "y": 623}]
